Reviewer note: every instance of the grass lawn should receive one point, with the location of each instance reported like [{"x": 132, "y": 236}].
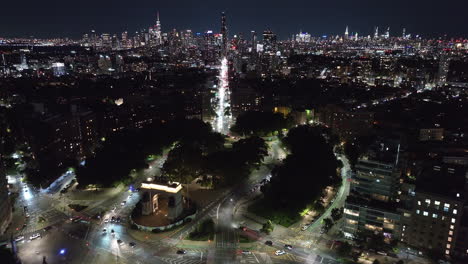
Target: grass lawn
[{"x": 280, "y": 216}]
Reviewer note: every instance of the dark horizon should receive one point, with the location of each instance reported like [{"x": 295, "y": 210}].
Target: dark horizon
[{"x": 49, "y": 18}]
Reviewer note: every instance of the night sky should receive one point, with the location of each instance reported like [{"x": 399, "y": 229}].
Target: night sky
[{"x": 73, "y": 18}]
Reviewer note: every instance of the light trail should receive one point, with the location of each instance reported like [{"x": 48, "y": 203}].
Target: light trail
[{"x": 223, "y": 114}]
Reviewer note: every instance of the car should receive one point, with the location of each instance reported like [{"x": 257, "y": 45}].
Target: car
[
  {"x": 112, "y": 219},
  {"x": 288, "y": 247},
  {"x": 269, "y": 243},
  {"x": 34, "y": 236},
  {"x": 382, "y": 253},
  {"x": 181, "y": 251},
  {"x": 19, "y": 238},
  {"x": 118, "y": 219},
  {"x": 132, "y": 244},
  {"x": 246, "y": 252},
  {"x": 120, "y": 242},
  {"x": 104, "y": 230},
  {"x": 27, "y": 215},
  {"x": 305, "y": 227},
  {"x": 279, "y": 252},
  {"x": 123, "y": 203},
  {"x": 106, "y": 220}
]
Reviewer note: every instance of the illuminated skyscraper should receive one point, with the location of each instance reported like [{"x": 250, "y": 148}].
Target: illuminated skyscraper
[
  {"x": 387, "y": 33},
  {"x": 376, "y": 32},
  {"x": 346, "y": 33},
  {"x": 224, "y": 34},
  {"x": 269, "y": 40},
  {"x": 157, "y": 30},
  {"x": 254, "y": 40}
]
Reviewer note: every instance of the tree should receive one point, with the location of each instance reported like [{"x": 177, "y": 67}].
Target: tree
[
  {"x": 336, "y": 214},
  {"x": 259, "y": 123},
  {"x": 251, "y": 150},
  {"x": 344, "y": 249},
  {"x": 352, "y": 153},
  {"x": 304, "y": 174},
  {"x": 327, "y": 224},
  {"x": 268, "y": 227},
  {"x": 184, "y": 163}
]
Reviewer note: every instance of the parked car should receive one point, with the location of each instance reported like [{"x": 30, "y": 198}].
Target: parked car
[
  {"x": 246, "y": 252},
  {"x": 19, "y": 238},
  {"x": 288, "y": 247},
  {"x": 120, "y": 242},
  {"x": 279, "y": 252},
  {"x": 181, "y": 251},
  {"x": 269, "y": 243},
  {"x": 34, "y": 236}
]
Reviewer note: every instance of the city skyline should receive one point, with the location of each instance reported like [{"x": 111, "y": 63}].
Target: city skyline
[{"x": 315, "y": 18}]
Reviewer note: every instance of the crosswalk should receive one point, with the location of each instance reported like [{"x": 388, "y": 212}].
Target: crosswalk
[
  {"x": 288, "y": 257},
  {"x": 183, "y": 260}
]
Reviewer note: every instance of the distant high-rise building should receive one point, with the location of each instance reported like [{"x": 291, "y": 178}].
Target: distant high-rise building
[
  {"x": 106, "y": 40},
  {"x": 224, "y": 34},
  {"x": 269, "y": 40},
  {"x": 254, "y": 40},
  {"x": 346, "y": 34},
  {"x": 404, "y": 33},
  {"x": 155, "y": 32},
  {"x": 376, "y": 32},
  {"x": 444, "y": 63},
  {"x": 387, "y": 33},
  {"x": 58, "y": 69}
]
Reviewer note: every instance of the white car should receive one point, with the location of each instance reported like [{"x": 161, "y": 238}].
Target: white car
[
  {"x": 34, "y": 236},
  {"x": 279, "y": 252},
  {"x": 106, "y": 220},
  {"x": 18, "y": 239}
]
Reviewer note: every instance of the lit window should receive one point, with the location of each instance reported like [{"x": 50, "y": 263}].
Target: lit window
[
  {"x": 449, "y": 239},
  {"x": 452, "y": 226},
  {"x": 419, "y": 202},
  {"x": 455, "y": 211},
  {"x": 437, "y": 202},
  {"x": 451, "y": 233},
  {"x": 425, "y": 213},
  {"x": 434, "y": 215},
  {"x": 448, "y": 245},
  {"x": 453, "y": 220},
  {"x": 458, "y": 195},
  {"x": 446, "y": 207},
  {"x": 447, "y": 252},
  {"x": 428, "y": 201}
]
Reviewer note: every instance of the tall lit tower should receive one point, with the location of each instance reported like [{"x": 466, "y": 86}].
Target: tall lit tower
[
  {"x": 404, "y": 33},
  {"x": 346, "y": 33},
  {"x": 376, "y": 33},
  {"x": 157, "y": 30},
  {"x": 224, "y": 34},
  {"x": 387, "y": 33}
]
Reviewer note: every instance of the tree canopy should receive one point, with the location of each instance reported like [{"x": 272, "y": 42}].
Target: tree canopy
[
  {"x": 305, "y": 172},
  {"x": 260, "y": 123}
]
